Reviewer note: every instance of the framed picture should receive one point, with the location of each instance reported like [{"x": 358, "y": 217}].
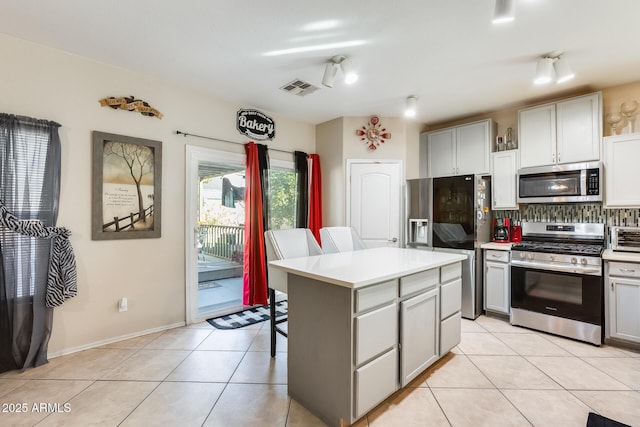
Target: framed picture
[{"x": 127, "y": 187}]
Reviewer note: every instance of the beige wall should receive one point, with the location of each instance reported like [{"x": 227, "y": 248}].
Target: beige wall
[
  {"x": 329, "y": 137},
  {"x": 48, "y": 84},
  {"x": 336, "y": 142}
]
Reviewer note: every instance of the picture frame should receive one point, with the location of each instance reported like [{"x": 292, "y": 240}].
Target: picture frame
[{"x": 126, "y": 187}]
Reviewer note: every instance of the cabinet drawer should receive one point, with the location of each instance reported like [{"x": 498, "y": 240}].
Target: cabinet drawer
[
  {"x": 450, "y": 333},
  {"x": 375, "y": 381},
  {"x": 375, "y": 332},
  {"x": 450, "y": 298},
  {"x": 419, "y": 282},
  {"x": 498, "y": 256},
  {"x": 624, "y": 269},
  {"x": 373, "y": 296},
  {"x": 450, "y": 272}
]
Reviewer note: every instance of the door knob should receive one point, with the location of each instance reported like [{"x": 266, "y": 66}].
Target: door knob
[{"x": 395, "y": 239}]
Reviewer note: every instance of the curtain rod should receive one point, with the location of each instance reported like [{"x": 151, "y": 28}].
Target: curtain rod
[{"x": 225, "y": 140}]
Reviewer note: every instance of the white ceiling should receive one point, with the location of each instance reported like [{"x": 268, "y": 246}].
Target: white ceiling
[{"x": 446, "y": 52}]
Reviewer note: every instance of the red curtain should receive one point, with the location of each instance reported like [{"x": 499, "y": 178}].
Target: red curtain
[
  {"x": 315, "y": 196},
  {"x": 254, "y": 277}
]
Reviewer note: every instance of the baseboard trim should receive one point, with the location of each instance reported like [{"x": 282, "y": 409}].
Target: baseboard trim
[{"x": 95, "y": 344}]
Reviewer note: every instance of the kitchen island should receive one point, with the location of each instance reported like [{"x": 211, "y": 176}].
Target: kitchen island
[{"x": 362, "y": 324}]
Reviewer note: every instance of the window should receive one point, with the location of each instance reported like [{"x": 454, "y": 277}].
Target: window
[{"x": 282, "y": 195}]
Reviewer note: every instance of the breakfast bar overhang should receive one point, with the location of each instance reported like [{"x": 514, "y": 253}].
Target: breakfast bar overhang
[{"x": 363, "y": 324}]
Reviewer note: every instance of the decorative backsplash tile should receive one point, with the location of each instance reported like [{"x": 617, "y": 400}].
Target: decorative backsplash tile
[{"x": 579, "y": 212}]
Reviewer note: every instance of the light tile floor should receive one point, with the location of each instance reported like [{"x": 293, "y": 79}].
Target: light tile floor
[{"x": 499, "y": 375}]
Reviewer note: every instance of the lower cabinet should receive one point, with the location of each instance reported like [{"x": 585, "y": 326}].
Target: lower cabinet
[
  {"x": 623, "y": 295},
  {"x": 349, "y": 349},
  {"x": 450, "y": 314},
  {"x": 497, "y": 281},
  {"x": 375, "y": 381},
  {"x": 419, "y": 333}
]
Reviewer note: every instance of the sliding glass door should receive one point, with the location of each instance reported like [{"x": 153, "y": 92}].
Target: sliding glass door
[{"x": 215, "y": 215}]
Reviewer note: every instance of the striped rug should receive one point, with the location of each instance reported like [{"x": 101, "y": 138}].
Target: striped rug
[{"x": 247, "y": 317}]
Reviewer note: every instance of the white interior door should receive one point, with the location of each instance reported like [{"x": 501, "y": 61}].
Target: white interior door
[{"x": 374, "y": 204}]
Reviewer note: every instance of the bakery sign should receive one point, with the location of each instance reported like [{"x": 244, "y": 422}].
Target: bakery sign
[{"x": 256, "y": 124}]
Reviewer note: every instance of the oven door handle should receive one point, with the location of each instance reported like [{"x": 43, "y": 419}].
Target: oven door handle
[{"x": 554, "y": 267}]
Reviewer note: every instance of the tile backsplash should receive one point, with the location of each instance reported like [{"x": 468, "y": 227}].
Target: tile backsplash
[{"x": 578, "y": 212}]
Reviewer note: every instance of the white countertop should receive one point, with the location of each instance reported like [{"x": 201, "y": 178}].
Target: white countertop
[
  {"x": 497, "y": 246},
  {"x": 366, "y": 267},
  {"x": 611, "y": 255}
]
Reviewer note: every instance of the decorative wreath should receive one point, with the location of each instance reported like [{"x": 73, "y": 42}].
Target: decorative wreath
[{"x": 372, "y": 134}]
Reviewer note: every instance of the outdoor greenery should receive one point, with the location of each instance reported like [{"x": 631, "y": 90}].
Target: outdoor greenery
[
  {"x": 282, "y": 188},
  {"x": 282, "y": 199}
]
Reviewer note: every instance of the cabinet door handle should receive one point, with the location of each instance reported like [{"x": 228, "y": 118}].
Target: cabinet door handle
[
  {"x": 558, "y": 156},
  {"x": 627, "y": 270},
  {"x": 612, "y": 285}
]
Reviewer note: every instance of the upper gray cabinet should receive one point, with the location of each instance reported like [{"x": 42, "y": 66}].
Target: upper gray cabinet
[
  {"x": 568, "y": 131},
  {"x": 459, "y": 150}
]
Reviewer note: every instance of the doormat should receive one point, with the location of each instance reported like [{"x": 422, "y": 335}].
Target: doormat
[
  {"x": 247, "y": 317},
  {"x": 596, "y": 420}
]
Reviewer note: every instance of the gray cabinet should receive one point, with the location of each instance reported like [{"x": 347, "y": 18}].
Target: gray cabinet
[
  {"x": 459, "y": 150},
  {"x": 349, "y": 349},
  {"x": 419, "y": 334},
  {"x": 450, "y": 307},
  {"x": 621, "y": 154},
  {"x": 568, "y": 131},
  {"x": 504, "y": 169},
  {"x": 622, "y": 301},
  {"x": 497, "y": 281}
]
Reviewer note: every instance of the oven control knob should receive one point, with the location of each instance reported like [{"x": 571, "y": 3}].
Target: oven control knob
[
  {"x": 583, "y": 261},
  {"x": 530, "y": 256},
  {"x": 522, "y": 254},
  {"x": 574, "y": 260}
]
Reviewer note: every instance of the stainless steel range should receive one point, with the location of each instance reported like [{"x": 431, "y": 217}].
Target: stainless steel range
[{"x": 557, "y": 279}]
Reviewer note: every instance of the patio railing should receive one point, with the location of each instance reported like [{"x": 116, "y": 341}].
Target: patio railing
[{"x": 222, "y": 241}]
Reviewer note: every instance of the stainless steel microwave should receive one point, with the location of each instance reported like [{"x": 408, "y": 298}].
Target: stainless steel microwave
[{"x": 570, "y": 183}]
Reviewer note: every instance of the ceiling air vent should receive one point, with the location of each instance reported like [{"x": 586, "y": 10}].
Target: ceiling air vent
[{"x": 300, "y": 88}]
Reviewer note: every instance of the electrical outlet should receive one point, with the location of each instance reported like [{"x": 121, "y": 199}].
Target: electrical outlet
[{"x": 122, "y": 305}]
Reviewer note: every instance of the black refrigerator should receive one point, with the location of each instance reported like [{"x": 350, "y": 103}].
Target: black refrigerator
[{"x": 454, "y": 213}]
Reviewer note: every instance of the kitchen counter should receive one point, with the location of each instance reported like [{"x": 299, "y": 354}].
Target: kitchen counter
[
  {"x": 362, "y": 324},
  {"x": 361, "y": 268},
  {"x": 611, "y": 255},
  {"x": 497, "y": 246}
]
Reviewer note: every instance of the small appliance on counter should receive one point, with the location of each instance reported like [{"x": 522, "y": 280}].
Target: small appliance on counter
[
  {"x": 516, "y": 232},
  {"x": 501, "y": 230},
  {"x": 626, "y": 239}
]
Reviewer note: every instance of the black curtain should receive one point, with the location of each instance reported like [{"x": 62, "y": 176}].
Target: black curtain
[
  {"x": 263, "y": 164},
  {"x": 29, "y": 188},
  {"x": 302, "y": 185}
]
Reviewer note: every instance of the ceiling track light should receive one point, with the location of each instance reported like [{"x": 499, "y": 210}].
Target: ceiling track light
[
  {"x": 550, "y": 65},
  {"x": 411, "y": 108},
  {"x": 330, "y": 70},
  {"x": 329, "y": 76},
  {"x": 563, "y": 70},
  {"x": 544, "y": 71},
  {"x": 504, "y": 11}
]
